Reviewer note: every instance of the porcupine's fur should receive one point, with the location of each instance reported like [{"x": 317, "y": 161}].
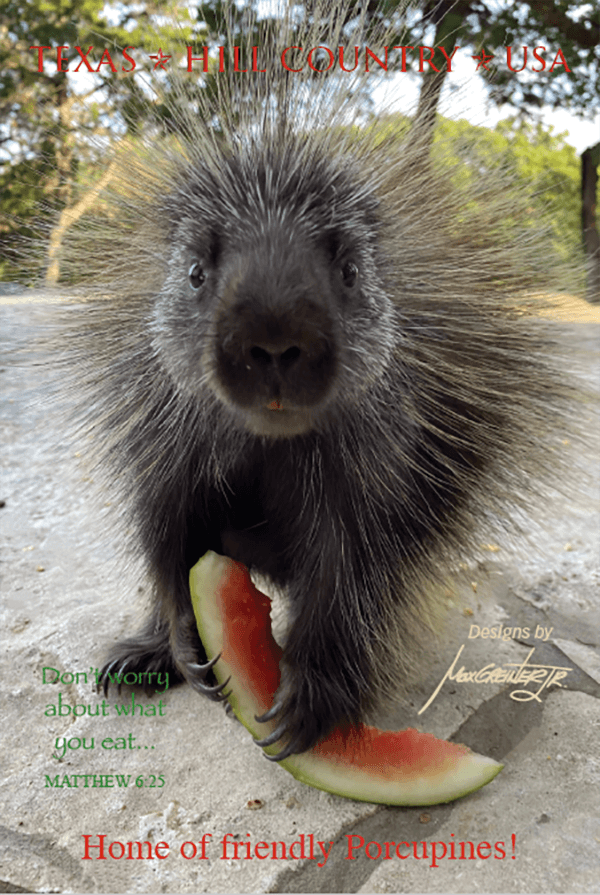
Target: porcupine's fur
[{"x": 313, "y": 358}]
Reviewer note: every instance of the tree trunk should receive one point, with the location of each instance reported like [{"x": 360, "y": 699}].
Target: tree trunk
[
  {"x": 448, "y": 17},
  {"x": 589, "y": 222},
  {"x": 68, "y": 217},
  {"x": 424, "y": 121}
]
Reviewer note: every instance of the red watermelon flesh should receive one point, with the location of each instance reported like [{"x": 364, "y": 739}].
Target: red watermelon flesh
[{"x": 394, "y": 768}]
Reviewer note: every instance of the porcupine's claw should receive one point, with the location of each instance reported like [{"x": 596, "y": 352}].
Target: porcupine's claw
[
  {"x": 105, "y": 682},
  {"x": 216, "y": 693},
  {"x": 196, "y": 677},
  {"x": 202, "y": 670},
  {"x": 291, "y": 747},
  {"x": 272, "y": 737},
  {"x": 270, "y": 713}
]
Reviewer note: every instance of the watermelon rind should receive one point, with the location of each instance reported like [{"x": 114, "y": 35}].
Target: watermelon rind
[{"x": 453, "y": 773}]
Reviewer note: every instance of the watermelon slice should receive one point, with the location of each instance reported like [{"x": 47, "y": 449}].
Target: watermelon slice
[{"x": 402, "y": 768}]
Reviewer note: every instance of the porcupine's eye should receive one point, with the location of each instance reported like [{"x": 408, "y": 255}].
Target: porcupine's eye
[
  {"x": 196, "y": 275},
  {"x": 349, "y": 274}
]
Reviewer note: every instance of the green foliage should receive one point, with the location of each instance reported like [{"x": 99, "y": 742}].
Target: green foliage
[
  {"x": 540, "y": 161},
  {"x": 26, "y": 209},
  {"x": 50, "y": 130},
  {"x": 541, "y": 170},
  {"x": 52, "y": 122},
  {"x": 568, "y": 25}
]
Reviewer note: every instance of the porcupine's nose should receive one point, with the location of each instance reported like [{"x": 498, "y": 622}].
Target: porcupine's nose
[
  {"x": 276, "y": 339},
  {"x": 267, "y": 355},
  {"x": 279, "y": 357}
]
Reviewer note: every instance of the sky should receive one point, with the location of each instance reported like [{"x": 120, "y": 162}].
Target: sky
[
  {"x": 465, "y": 96},
  {"x": 471, "y": 102}
]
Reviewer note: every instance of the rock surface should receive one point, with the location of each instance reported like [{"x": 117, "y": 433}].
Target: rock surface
[{"x": 66, "y": 597}]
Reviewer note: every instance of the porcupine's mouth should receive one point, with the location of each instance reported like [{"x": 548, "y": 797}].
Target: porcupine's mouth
[
  {"x": 276, "y": 367},
  {"x": 269, "y": 416},
  {"x": 279, "y": 418}
]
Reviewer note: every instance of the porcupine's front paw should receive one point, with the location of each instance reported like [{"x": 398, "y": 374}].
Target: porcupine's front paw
[
  {"x": 302, "y": 712},
  {"x": 154, "y": 655},
  {"x": 141, "y": 660},
  {"x": 190, "y": 657}
]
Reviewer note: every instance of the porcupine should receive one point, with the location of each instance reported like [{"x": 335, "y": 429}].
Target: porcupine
[{"x": 313, "y": 359}]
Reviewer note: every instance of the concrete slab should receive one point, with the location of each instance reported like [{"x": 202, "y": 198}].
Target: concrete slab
[{"x": 66, "y": 597}]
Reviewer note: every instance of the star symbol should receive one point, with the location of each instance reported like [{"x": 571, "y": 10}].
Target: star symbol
[
  {"x": 160, "y": 60},
  {"x": 483, "y": 59}
]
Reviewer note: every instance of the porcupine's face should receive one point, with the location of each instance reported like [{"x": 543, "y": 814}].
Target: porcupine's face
[{"x": 274, "y": 301}]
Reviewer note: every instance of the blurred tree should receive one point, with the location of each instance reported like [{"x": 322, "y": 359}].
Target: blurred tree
[
  {"x": 590, "y": 162},
  {"x": 548, "y": 25},
  {"x": 52, "y": 122},
  {"x": 55, "y": 126}
]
